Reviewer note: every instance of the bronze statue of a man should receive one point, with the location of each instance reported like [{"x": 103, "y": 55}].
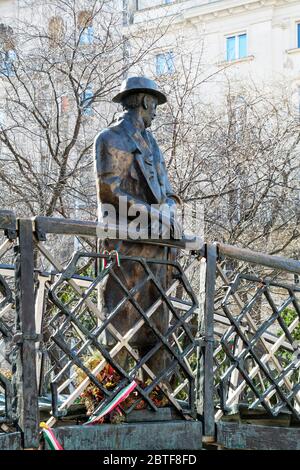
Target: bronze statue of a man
[{"x": 129, "y": 164}]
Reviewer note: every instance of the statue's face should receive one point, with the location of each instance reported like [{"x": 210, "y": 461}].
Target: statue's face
[{"x": 149, "y": 109}]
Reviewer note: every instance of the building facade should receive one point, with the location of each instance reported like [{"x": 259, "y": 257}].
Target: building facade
[{"x": 250, "y": 39}]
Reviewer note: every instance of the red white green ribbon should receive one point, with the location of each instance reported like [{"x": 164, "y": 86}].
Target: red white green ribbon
[
  {"x": 51, "y": 439},
  {"x": 121, "y": 396},
  {"x": 109, "y": 253},
  {"x": 116, "y": 254}
]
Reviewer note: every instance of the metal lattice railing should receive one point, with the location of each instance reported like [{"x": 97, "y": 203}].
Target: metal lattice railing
[
  {"x": 231, "y": 338},
  {"x": 7, "y": 321},
  {"x": 257, "y": 355},
  {"x": 78, "y": 327}
]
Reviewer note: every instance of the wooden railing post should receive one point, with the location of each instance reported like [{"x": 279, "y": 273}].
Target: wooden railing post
[
  {"x": 205, "y": 380},
  {"x": 26, "y": 407}
]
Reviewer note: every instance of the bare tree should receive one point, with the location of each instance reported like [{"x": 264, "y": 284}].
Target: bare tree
[
  {"x": 59, "y": 71},
  {"x": 238, "y": 157}
]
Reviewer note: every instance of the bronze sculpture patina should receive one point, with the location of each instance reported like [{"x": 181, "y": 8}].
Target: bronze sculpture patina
[{"x": 130, "y": 165}]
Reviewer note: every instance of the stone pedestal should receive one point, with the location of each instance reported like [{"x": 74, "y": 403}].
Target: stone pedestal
[{"x": 163, "y": 435}]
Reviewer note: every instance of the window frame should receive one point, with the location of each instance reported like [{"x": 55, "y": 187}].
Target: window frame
[
  {"x": 86, "y": 101},
  {"x": 295, "y": 99},
  {"x": 56, "y": 30},
  {"x": 7, "y": 62},
  {"x": 87, "y": 35},
  {"x": 167, "y": 70},
  {"x": 236, "y": 36},
  {"x": 85, "y": 25}
]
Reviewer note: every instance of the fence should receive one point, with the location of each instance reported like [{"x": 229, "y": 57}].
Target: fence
[{"x": 231, "y": 342}]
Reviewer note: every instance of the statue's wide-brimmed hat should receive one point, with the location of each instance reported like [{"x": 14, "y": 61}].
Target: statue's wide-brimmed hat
[{"x": 139, "y": 85}]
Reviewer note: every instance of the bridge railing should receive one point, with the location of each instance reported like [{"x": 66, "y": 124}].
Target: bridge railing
[
  {"x": 7, "y": 311},
  {"x": 256, "y": 327},
  {"x": 78, "y": 324},
  {"x": 231, "y": 341}
]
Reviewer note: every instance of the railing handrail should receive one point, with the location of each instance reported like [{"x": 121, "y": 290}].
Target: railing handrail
[
  {"x": 256, "y": 257},
  {"x": 89, "y": 228},
  {"x": 86, "y": 228}
]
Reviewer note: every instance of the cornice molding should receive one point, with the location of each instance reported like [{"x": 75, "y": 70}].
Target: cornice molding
[
  {"x": 208, "y": 11},
  {"x": 211, "y": 11}
]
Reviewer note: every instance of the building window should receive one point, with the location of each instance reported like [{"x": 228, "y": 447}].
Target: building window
[
  {"x": 236, "y": 47},
  {"x": 7, "y": 53},
  {"x": 55, "y": 30},
  {"x": 296, "y": 101},
  {"x": 2, "y": 119},
  {"x": 7, "y": 68},
  {"x": 298, "y": 35},
  {"x": 86, "y": 29},
  {"x": 239, "y": 115},
  {"x": 64, "y": 104},
  {"x": 165, "y": 63},
  {"x": 86, "y": 101}
]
